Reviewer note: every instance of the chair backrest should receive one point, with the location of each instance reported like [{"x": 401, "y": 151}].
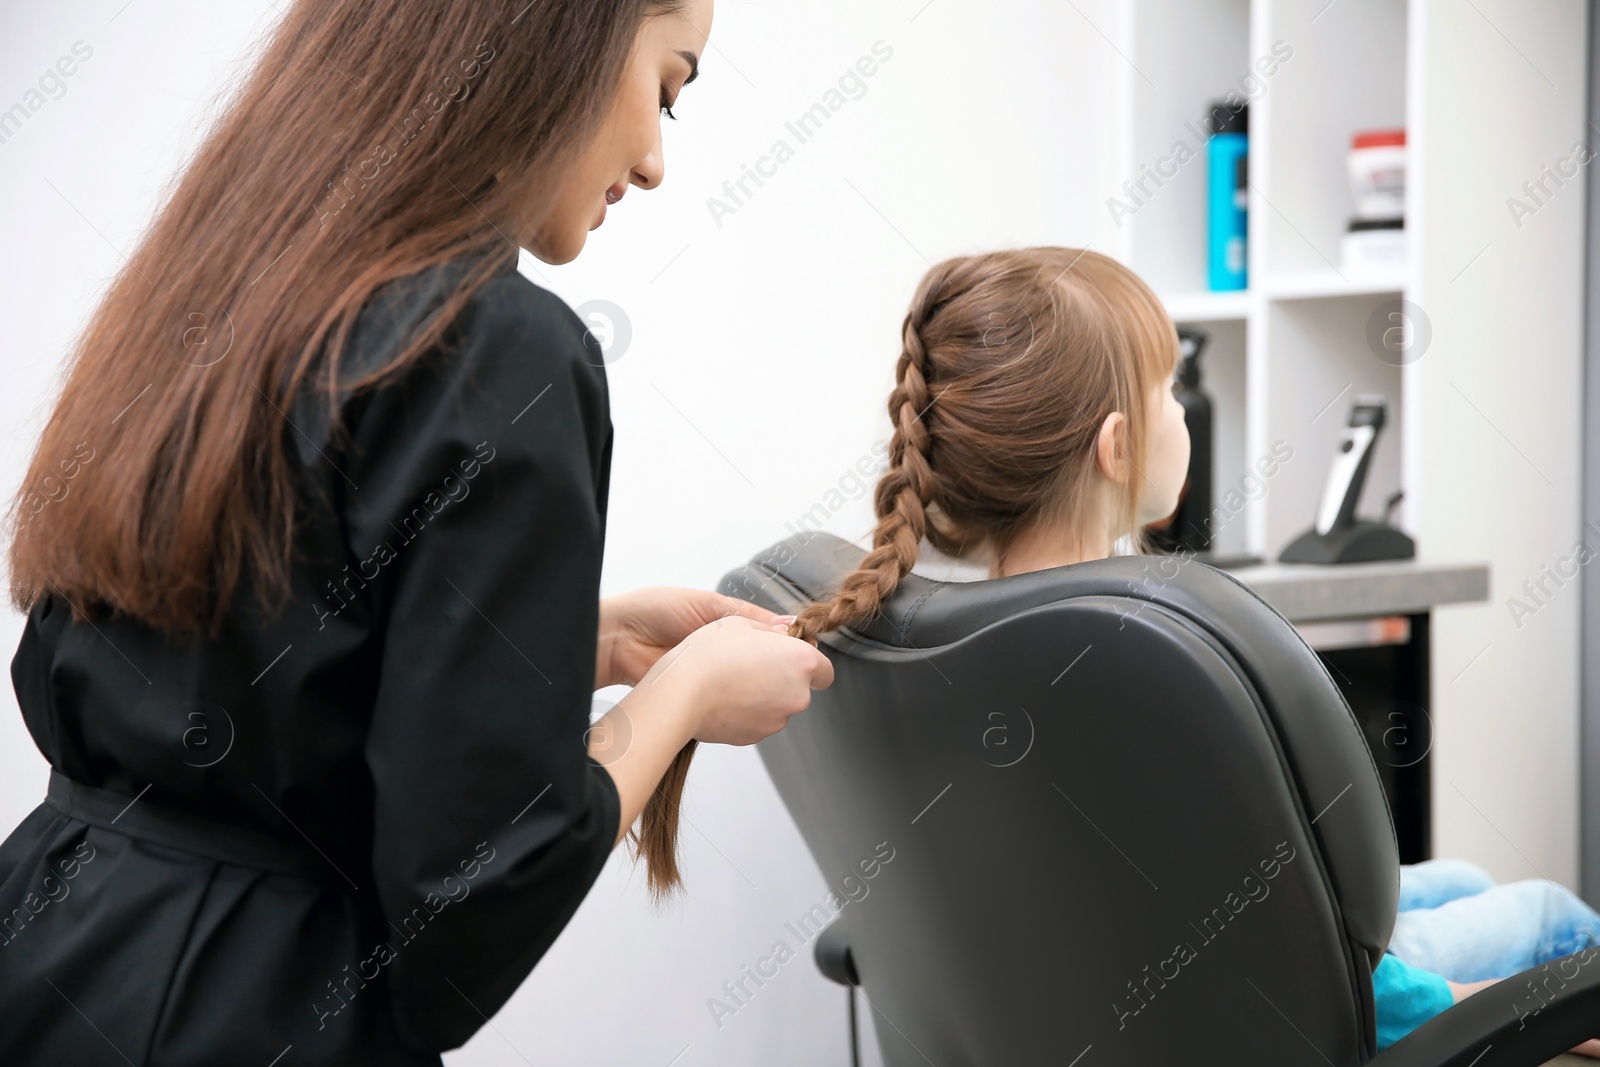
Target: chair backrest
[{"x": 1126, "y": 808}]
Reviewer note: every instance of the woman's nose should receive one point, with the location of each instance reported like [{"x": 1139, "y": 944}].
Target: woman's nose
[{"x": 649, "y": 171}]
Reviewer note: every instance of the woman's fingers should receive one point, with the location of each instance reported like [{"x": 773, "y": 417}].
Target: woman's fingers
[
  {"x": 821, "y": 669},
  {"x": 823, "y": 676},
  {"x": 745, "y": 609}
]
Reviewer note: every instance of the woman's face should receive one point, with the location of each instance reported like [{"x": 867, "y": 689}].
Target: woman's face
[
  {"x": 1167, "y": 456},
  {"x": 627, "y": 149}
]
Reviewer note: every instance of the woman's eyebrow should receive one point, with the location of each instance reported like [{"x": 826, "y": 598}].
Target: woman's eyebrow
[{"x": 694, "y": 64}]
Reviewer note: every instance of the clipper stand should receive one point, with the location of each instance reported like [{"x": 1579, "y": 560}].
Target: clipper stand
[{"x": 1338, "y": 536}]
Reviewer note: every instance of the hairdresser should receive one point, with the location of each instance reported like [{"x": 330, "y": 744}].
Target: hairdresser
[{"x": 310, "y": 549}]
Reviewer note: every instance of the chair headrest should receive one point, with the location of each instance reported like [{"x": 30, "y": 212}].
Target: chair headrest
[{"x": 925, "y": 613}]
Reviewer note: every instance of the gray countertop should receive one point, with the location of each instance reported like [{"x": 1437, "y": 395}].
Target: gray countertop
[{"x": 1309, "y": 591}]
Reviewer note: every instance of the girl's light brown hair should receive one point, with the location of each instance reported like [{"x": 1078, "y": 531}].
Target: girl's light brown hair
[
  {"x": 1010, "y": 363},
  {"x": 364, "y": 146}
]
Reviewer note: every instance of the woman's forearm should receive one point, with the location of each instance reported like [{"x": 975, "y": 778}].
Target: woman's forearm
[{"x": 636, "y": 740}]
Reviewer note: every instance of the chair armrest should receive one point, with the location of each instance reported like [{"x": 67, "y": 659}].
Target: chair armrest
[
  {"x": 1521, "y": 1021},
  {"x": 832, "y": 953}
]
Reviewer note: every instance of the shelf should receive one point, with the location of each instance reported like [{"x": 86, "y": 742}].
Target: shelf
[
  {"x": 1206, "y": 306},
  {"x": 1327, "y": 282},
  {"x": 1285, "y": 354},
  {"x": 1317, "y": 361},
  {"x": 1195, "y": 52}
]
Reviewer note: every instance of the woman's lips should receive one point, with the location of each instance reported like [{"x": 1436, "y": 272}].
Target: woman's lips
[{"x": 613, "y": 194}]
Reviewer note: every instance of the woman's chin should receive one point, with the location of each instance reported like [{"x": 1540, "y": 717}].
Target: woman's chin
[{"x": 558, "y": 250}]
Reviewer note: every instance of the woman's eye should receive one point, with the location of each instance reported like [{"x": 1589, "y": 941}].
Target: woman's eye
[{"x": 666, "y": 109}]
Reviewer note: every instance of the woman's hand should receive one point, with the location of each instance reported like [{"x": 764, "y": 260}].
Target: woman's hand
[
  {"x": 749, "y": 678},
  {"x": 637, "y": 628},
  {"x": 732, "y": 681}
]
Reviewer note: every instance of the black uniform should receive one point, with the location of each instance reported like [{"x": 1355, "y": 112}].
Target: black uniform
[{"x": 344, "y": 833}]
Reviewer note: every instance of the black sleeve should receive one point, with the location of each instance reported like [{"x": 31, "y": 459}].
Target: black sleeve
[{"x": 478, "y": 518}]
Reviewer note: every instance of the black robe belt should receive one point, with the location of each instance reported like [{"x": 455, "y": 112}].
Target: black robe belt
[{"x": 180, "y": 828}]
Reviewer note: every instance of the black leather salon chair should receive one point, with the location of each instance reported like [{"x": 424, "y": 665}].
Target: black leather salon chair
[{"x": 1131, "y": 819}]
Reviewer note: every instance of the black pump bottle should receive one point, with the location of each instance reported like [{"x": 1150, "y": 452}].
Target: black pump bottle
[{"x": 1188, "y": 529}]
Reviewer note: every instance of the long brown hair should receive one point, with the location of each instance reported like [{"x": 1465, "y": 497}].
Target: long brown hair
[
  {"x": 363, "y": 147},
  {"x": 1010, "y": 363}
]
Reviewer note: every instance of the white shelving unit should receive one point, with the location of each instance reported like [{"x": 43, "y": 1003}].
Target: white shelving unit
[{"x": 1285, "y": 356}]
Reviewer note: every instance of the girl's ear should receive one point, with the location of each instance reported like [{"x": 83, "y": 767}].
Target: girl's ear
[{"x": 1108, "y": 454}]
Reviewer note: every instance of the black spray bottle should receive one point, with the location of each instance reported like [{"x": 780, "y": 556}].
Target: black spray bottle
[{"x": 1189, "y": 528}]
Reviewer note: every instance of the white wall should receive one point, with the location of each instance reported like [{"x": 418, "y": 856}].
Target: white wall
[
  {"x": 80, "y": 179},
  {"x": 762, "y": 353},
  {"x": 763, "y": 349},
  {"x": 1502, "y": 431}
]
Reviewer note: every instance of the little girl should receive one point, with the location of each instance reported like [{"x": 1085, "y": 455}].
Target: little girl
[{"x": 1035, "y": 426}]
